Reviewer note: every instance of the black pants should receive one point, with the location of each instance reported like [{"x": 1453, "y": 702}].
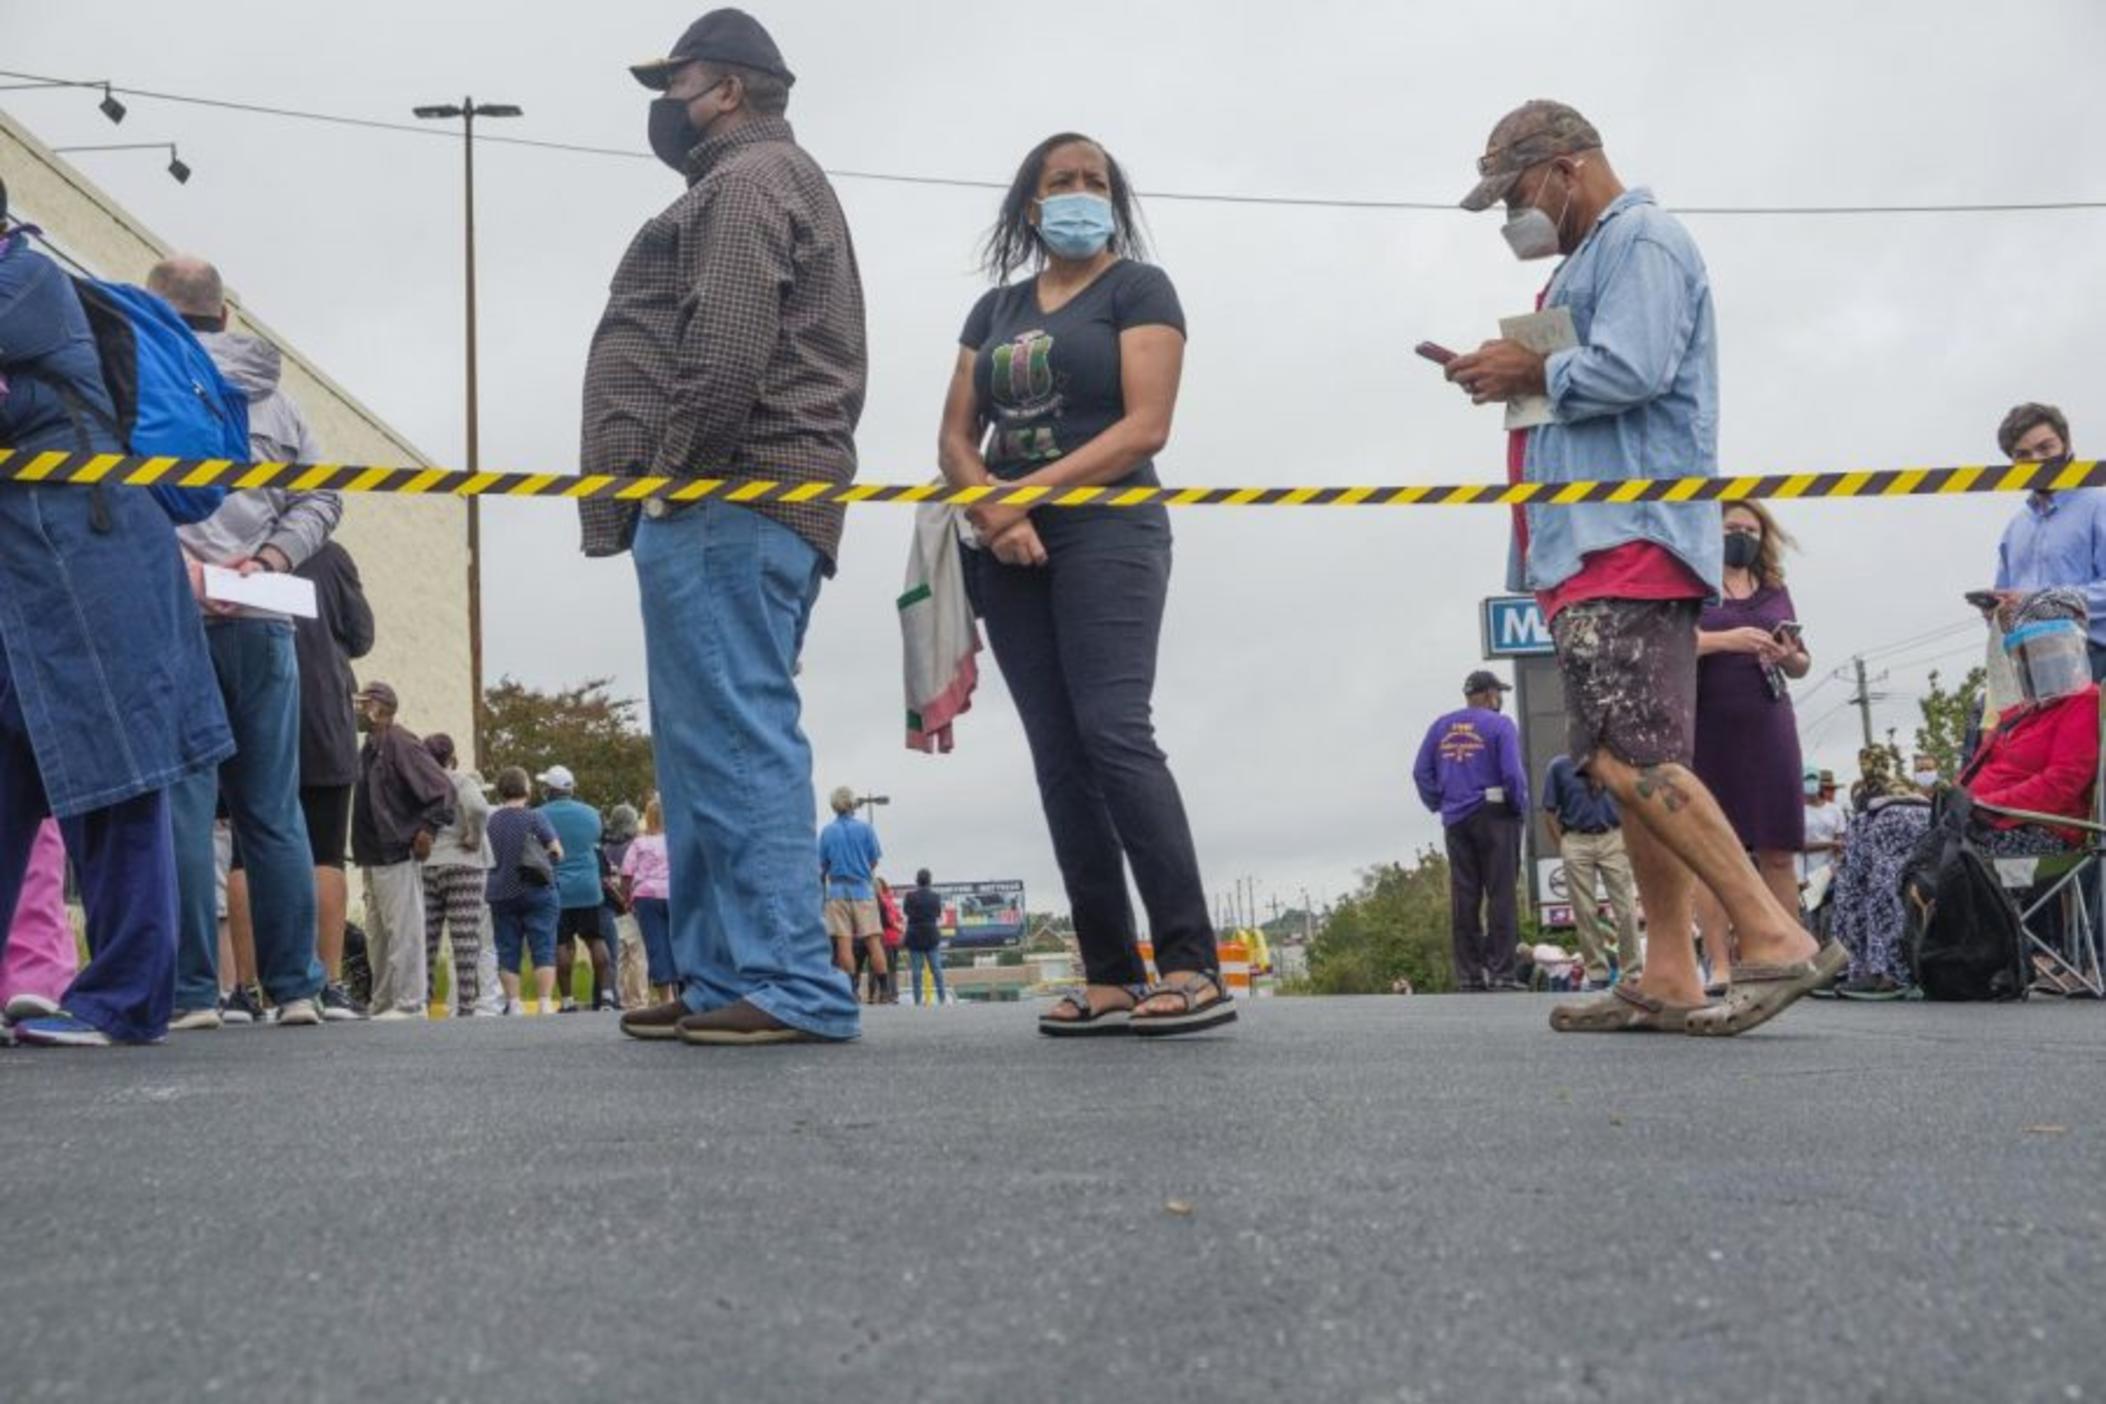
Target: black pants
[
  {"x": 1484, "y": 870},
  {"x": 1076, "y": 640}
]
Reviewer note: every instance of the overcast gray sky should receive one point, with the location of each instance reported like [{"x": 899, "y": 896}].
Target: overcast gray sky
[{"x": 1305, "y": 651}]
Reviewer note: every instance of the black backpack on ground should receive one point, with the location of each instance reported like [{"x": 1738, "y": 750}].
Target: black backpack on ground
[{"x": 1965, "y": 941}]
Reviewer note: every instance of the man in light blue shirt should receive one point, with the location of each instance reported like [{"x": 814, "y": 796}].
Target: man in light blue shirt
[
  {"x": 1622, "y": 582},
  {"x": 2057, "y": 538},
  {"x": 578, "y": 889},
  {"x": 848, "y": 859}
]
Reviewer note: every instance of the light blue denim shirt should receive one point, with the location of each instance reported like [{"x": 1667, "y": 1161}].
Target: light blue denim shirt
[
  {"x": 2059, "y": 539},
  {"x": 1637, "y": 398}
]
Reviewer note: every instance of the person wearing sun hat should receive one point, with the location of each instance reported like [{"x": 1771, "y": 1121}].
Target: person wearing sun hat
[{"x": 1826, "y": 823}]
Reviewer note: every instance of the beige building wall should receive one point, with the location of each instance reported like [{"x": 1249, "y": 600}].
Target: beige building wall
[{"x": 411, "y": 552}]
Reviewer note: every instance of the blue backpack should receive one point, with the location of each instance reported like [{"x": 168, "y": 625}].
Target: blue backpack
[{"x": 169, "y": 398}]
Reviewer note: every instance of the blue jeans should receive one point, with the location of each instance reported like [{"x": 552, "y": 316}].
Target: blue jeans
[
  {"x": 727, "y": 594},
  {"x": 259, "y": 680},
  {"x": 528, "y": 922},
  {"x": 125, "y": 857},
  {"x": 654, "y": 918},
  {"x": 933, "y": 962}
]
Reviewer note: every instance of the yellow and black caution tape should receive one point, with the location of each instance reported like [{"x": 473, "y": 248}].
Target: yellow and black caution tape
[{"x": 84, "y": 469}]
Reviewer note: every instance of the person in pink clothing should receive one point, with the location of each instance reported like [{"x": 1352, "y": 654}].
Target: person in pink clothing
[
  {"x": 41, "y": 958},
  {"x": 647, "y": 877}
]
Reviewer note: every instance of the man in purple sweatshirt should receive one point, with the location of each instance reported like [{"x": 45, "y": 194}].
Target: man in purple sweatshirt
[{"x": 1470, "y": 770}]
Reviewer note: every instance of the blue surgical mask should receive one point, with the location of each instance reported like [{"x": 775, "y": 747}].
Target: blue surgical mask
[{"x": 1075, "y": 226}]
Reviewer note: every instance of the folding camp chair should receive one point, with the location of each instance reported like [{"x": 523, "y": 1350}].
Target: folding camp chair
[{"x": 2072, "y": 957}]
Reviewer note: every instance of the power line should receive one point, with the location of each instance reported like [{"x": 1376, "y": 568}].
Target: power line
[
  {"x": 965, "y": 183},
  {"x": 1974, "y": 649},
  {"x": 1928, "y": 636},
  {"x": 1811, "y": 731}
]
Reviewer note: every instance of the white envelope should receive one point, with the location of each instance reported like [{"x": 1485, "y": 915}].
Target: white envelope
[
  {"x": 1541, "y": 332},
  {"x": 281, "y": 594}
]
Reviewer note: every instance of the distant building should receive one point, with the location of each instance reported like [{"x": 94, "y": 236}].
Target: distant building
[{"x": 412, "y": 553}]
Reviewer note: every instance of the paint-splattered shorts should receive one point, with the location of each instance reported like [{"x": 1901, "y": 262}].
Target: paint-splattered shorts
[{"x": 1630, "y": 678}]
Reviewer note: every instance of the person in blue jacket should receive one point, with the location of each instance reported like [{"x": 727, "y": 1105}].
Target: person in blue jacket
[{"x": 106, "y": 691}]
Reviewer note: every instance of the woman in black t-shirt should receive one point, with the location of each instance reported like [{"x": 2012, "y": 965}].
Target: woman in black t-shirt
[{"x": 1069, "y": 379}]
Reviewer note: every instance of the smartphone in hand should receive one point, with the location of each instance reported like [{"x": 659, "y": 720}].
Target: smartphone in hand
[
  {"x": 1983, "y": 600},
  {"x": 1434, "y": 352}
]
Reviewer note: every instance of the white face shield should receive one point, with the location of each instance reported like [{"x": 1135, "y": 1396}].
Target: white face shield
[{"x": 2050, "y": 659}]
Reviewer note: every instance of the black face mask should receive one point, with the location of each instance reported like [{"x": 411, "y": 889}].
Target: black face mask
[
  {"x": 1742, "y": 550},
  {"x": 672, "y": 135}
]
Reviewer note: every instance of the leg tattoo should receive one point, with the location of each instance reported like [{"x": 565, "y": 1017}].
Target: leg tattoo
[{"x": 1660, "y": 782}]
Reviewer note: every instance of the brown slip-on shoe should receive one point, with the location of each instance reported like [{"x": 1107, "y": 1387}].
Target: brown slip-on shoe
[
  {"x": 1760, "y": 993},
  {"x": 1621, "y": 1010},
  {"x": 660, "y": 1022},
  {"x": 739, "y": 1024}
]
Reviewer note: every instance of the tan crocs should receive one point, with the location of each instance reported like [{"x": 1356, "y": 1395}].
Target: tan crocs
[
  {"x": 1761, "y": 992},
  {"x": 1622, "y": 1010}
]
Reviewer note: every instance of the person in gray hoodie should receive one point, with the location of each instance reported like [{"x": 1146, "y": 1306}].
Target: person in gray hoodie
[{"x": 252, "y": 653}]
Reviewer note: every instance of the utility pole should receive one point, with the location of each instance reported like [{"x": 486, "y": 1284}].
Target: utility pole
[
  {"x": 467, "y": 111},
  {"x": 1864, "y": 698}
]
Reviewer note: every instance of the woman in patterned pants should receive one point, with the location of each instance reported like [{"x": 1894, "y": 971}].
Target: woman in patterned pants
[{"x": 453, "y": 879}]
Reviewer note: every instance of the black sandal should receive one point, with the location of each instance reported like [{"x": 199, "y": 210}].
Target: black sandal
[
  {"x": 1198, "y": 1014},
  {"x": 1088, "y": 1022}
]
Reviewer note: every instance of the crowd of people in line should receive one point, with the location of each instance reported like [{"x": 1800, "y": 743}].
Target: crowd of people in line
[
  {"x": 134, "y": 704},
  {"x": 1841, "y": 868}
]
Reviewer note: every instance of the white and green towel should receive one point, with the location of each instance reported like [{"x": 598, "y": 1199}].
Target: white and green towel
[{"x": 937, "y": 630}]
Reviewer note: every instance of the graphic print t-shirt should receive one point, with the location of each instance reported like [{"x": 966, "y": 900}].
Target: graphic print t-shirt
[{"x": 1048, "y": 382}]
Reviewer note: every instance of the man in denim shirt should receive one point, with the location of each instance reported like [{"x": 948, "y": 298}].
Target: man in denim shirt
[{"x": 1621, "y": 583}]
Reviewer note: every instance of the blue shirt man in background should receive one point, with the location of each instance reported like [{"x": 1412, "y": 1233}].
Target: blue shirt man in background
[
  {"x": 848, "y": 859},
  {"x": 2057, "y": 538},
  {"x": 1584, "y": 825},
  {"x": 578, "y": 889},
  {"x": 1469, "y": 770}
]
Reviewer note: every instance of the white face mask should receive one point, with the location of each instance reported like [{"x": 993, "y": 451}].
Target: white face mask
[
  {"x": 1925, "y": 779},
  {"x": 1531, "y": 233}
]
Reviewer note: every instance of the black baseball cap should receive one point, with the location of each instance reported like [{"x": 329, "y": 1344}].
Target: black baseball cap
[
  {"x": 721, "y": 36},
  {"x": 1483, "y": 680}
]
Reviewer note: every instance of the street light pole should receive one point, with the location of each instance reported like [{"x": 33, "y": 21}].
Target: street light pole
[{"x": 467, "y": 111}]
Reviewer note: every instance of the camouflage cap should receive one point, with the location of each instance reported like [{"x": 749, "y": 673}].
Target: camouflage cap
[{"x": 1529, "y": 135}]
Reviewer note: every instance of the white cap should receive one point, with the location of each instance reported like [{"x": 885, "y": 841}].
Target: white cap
[{"x": 558, "y": 777}]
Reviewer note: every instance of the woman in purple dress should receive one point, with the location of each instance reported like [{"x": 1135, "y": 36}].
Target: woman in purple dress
[{"x": 1747, "y": 739}]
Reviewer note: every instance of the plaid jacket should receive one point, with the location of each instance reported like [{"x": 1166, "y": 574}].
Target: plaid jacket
[{"x": 732, "y": 344}]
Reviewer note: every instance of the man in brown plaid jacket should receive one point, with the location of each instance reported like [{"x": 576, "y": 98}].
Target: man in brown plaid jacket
[{"x": 732, "y": 347}]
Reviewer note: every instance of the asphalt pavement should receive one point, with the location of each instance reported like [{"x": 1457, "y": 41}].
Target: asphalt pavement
[{"x": 1409, "y": 1199}]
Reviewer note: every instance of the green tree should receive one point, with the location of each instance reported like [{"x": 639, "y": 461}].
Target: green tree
[
  {"x": 585, "y": 727},
  {"x": 1395, "y": 925},
  {"x": 1945, "y": 718}
]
